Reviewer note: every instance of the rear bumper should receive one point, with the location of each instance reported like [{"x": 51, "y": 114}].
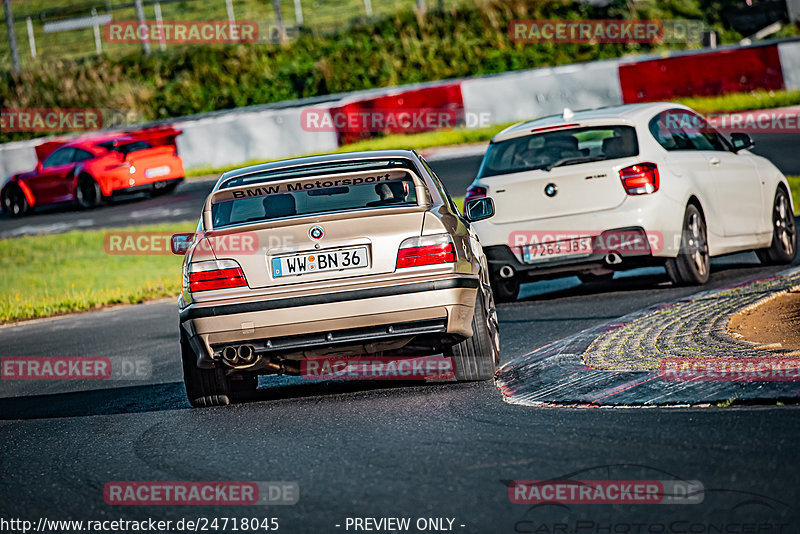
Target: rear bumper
[
  {"x": 500, "y": 256},
  {"x": 146, "y": 188},
  {"x": 442, "y": 306}
]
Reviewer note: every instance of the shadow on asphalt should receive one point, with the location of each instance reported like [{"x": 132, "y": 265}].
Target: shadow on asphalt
[
  {"x": 172, "y": 396},
  {"x": 650, "y": 282}
]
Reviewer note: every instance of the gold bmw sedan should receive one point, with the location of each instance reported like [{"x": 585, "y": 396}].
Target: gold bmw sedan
[{"x": 347, "y": 255}]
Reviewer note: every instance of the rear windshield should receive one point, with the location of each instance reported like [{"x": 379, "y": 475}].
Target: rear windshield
[
  {"x": 341, "y": 195},
  {"x": 557, "y": 148}
]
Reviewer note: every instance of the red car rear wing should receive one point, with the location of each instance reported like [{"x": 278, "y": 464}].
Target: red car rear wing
[
  {"x": 156, "y": 136},
  {"x": 47, "y": 148}
]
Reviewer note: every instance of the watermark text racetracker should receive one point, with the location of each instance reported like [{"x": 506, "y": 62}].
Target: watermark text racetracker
[
  {"x": 781, "y": 369},
  {"x": 181, "y": 32},
  {"x": 783, "y": 120},
  {"x": 606, "y": 31},
  {"x": 606, "y": 491},
  {"x": 625, "y": 242},
  {"x": 50, "y": 120},
  {"x": 428, "y": 368},
  {"x": 396, "y": 120},
  {"x": 126, "y": 243},
  {"x": 193, "y": 524},
  {"x": 155, "y": 493},
  {"x": 75, "y": 368}
]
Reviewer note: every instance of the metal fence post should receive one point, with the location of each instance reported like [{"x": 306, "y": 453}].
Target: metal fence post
[
  {"x": 12, "y": 37},
  {"x": 98, "y": 44},
  {"x": 31, "y": 39},
  {"x": 276, "y": 5},
  {"x": 160, "y": 24},
  {"x": 140, "y": 16},
  {"x": 298, "y": 12}
]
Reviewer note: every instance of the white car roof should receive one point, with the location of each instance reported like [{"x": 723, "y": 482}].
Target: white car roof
[{"x": 626, "y": 114}]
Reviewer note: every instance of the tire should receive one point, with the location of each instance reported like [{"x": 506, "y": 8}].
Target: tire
[
  {"x": 591, "y": 278},
  {"x": 87, "y": 192},
  {"x": 204, "y": 387},
  {"x": 476, "y": 357},
  {"x": 505, "y": 289},
  {"x": 692, "y": 266},
  {"x": 14, "y": 201},
  {"x": 784, "y": 234}
]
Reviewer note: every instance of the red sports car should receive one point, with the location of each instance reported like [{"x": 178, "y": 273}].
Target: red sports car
[{"x": 90, "y": 169}]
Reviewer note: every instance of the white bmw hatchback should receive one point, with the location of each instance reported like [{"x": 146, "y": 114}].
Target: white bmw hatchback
[{"x": 592, "y": 192}]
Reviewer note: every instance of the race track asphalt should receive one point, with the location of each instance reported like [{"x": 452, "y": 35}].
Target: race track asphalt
[{"x": 388, "y": 450}]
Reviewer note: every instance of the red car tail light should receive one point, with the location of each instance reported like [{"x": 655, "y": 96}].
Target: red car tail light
[
  {"x": 426, "y": 250},
  {"x": 215, "y": 274},
  {"x": 640, "y": 179},
  {"x": 475, "y": 191}
]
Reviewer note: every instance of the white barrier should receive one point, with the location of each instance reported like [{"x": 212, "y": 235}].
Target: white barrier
[
  {"x": 533, "y": 93},
  {"x": 17, "y": 156},
  {"x": 789, "y": 54},
  {"x": 239, "y": 137}
]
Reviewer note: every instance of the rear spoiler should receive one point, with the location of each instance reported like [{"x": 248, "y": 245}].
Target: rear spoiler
[
  {"x": 156, "y": 136},
  {"x": 47, "y": 148}
]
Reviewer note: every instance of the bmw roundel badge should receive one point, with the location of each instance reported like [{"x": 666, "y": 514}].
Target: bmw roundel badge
[{"x": 316, "y": 232}]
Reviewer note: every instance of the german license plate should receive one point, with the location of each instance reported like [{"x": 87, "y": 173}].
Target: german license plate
[
  {"x": 155, "y": 172},
  {"x": 320, "y": 260},
  {"x": 574, "y": 247}
]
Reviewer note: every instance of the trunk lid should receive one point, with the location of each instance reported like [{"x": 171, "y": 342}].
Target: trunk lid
[{"x": 567, "y": 190}]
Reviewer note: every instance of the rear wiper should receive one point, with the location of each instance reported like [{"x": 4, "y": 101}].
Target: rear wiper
[{"x": 569, "y": 161}]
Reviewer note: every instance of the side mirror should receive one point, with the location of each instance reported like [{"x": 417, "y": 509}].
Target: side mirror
[
  {"x": 478, "y": 209},
  {"x": 741, "y": 141},
  {"x": 180, "y": 243}
]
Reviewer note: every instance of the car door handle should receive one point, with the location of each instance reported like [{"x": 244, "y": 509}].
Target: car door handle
[{"x": 714, "y": 162}]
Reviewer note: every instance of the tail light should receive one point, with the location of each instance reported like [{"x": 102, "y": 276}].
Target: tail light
[
  {"x": 640, "y": 179},
  {"x": 215, "y": 274},
  {"x": 426, "y": 250},
  {"x": 475, "y": 191}
]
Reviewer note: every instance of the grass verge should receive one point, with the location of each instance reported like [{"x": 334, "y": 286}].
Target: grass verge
[
  {"x": 742, "y": 101},
  {"x": 60, "y": 273}
]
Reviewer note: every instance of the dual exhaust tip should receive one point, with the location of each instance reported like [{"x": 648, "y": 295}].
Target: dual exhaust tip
[
  {"x": 239, "y": 354},
  {"x": 612, "y": 258}
]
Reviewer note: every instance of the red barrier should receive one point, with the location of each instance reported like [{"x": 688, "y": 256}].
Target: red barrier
[
  {"x": 444, "y": 100},
  {"x": 713, "y": 73}
]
